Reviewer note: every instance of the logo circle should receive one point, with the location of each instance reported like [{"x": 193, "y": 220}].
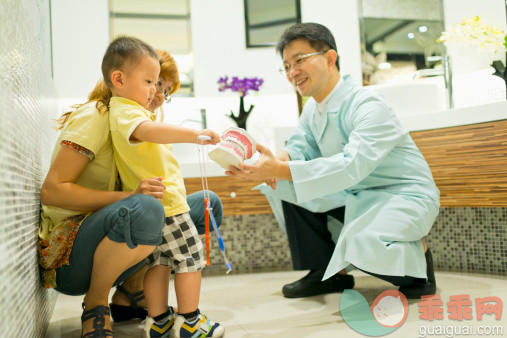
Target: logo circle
[{"x": 390, "y": 308}]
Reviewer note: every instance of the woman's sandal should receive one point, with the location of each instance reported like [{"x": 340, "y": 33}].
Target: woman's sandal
[
  {"x": 121, "y": 313},
  {"x": 98, "y": 314}
]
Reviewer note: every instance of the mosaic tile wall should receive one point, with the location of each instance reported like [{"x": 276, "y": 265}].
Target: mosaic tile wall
[
  {"x": 471, "y": 240},
  {"x": 462, "y": 239},
  {"x": 26, "y": 100},
  {"x": 253, "y": 243}
]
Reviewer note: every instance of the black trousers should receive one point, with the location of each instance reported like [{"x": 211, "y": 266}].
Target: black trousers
[{"x": 310, "y": 242}]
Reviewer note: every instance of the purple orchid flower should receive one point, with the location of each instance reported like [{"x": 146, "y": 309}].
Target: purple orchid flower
[{"x": 242, "y": 86}]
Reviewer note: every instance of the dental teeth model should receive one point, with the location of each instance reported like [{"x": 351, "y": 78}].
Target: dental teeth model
[{"x": 235, "y": 147}]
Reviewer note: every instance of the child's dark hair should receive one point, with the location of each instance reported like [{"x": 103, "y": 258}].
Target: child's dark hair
[
  {"x": 319, "y": 37},
  {"x": 124, "y": 52}
]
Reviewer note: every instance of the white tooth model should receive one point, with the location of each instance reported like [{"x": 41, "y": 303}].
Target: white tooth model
[{"x": 235, "y": 147}]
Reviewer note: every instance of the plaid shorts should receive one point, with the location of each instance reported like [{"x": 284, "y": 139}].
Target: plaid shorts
[{"x": 181, "y": 248}]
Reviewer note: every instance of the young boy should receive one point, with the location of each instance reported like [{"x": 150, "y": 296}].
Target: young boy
[{"x": 131, "y": 70}]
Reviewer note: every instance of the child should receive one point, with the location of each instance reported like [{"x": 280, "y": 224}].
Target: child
[{"x": 131, "y": 70}]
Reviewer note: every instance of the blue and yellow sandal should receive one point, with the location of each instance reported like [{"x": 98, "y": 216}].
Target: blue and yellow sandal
[
  {"x": 159, "y": 329},
  {"x": 202, "y": 326}
]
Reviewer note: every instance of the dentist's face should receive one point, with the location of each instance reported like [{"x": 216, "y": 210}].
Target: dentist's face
[{"x": 308, "y": 75}]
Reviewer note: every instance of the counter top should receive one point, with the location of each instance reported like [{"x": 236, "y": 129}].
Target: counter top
[
  {"x": 417, "y": 122},
  {"x": 456, "y": 117}
]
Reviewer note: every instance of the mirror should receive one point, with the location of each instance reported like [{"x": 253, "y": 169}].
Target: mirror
[
  {"x": 397, "y": 36},
  {"x": 164, "y": 25},
  {"x": 265, "y": 20}
]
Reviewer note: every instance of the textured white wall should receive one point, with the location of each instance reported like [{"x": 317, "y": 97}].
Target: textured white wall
[
  {"x": 27, "y": 103},
  {"x": 80, "y": 38},
  {"x": 341, "y": 17},
  {"x": 218, "y": 34},
  {"x": 218, "y": 39}
]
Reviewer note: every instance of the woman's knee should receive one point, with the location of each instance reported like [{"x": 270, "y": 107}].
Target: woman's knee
[
  {"x": 148, "y": 213},
  {"x": 140, "y": 221},
  {"x": 216, "y": 205}
]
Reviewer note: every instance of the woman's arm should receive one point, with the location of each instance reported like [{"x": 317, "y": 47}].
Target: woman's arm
[{"x": 60, "y": 189}]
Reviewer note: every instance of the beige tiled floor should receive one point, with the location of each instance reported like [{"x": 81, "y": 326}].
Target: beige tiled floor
[{"x": 252, "y": 305}]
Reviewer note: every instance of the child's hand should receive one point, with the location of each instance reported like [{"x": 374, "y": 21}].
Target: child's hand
[
  {"x": 215, "y": 138},
  {"x": 153, "y": 186}
]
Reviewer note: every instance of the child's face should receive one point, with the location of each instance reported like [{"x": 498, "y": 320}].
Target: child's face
[{"x": 139, "y": 83}]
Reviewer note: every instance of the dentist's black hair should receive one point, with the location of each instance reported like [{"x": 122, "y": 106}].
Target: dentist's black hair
[{"x": 319, "y": 37}]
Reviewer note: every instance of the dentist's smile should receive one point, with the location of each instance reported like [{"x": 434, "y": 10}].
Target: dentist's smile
[{"x": 300, "y": 82}]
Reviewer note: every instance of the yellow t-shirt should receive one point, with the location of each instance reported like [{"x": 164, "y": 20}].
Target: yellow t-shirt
[
  {"x": 140, "y": 160},
  {"x": 89, "y": 129}
]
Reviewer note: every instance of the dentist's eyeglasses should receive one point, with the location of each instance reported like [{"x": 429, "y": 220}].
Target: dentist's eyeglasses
[{"x": 297, "y": 63}]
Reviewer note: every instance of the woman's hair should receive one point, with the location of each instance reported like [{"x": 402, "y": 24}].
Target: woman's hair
[
  {"x": 169, "y": 69},
  {"x": 123, "y": 53},
  {"x": 319, "y": 37}
]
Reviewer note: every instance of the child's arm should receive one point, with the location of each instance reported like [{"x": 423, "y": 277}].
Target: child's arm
[{"x": 163, "y": 133}]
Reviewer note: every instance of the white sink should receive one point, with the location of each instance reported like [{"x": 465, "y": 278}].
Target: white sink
[
  {"x": 416, "y": 97},
  {"x": 187, "y": 156}
]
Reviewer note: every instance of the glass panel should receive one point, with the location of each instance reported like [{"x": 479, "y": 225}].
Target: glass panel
[
  {"x": 265, "y": 20},
  {"x": 164, "y": 25},
  {"x": 397, "y": 36}
]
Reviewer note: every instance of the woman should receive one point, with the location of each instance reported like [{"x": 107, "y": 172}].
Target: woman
[{"x": 93, "y": 235}]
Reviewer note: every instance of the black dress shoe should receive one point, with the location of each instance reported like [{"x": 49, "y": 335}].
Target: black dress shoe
[
  {"x": 312, "y": 285},
  {"x": 422, "y": 287}
]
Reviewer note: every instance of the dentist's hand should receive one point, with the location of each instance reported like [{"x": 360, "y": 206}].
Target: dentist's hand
[
  {"x": 272, "y": 182},
  {"x": 267, "y": 168}
]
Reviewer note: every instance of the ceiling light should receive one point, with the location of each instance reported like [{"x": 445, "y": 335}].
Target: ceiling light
[
  {"x": 423, "y": 29},
  {"x": 410, "y": 35}
]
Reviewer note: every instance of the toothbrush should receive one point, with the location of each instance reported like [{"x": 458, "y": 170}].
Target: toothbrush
[
  {"x": 209, "y": 211},
  {"x": 219, "y": 239}
]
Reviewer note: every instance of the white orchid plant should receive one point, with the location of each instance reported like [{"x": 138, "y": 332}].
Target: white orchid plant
[{"x": 472, "y": 31}]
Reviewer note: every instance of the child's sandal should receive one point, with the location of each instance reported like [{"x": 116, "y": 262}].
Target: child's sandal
[{"x": 98, "y": 313}]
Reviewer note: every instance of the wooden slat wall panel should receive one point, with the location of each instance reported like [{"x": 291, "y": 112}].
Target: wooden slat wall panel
[
  {"x": 246, "y": 202},
  {"x": 469, "y": 163}
]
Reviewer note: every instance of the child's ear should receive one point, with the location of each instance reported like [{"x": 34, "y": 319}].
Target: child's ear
[{"x": 118, "y": 78}]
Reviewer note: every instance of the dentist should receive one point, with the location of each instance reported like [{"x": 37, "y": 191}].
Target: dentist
[{"x": 350, "y": 159}]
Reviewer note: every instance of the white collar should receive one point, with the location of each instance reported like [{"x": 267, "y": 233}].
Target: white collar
[{"x": 321, "y": 106}]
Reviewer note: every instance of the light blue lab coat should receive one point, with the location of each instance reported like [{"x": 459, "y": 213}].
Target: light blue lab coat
[{"x": 356, "y": 154}]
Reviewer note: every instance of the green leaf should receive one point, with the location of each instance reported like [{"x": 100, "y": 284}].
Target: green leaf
[{"x": 505, "y": 44}]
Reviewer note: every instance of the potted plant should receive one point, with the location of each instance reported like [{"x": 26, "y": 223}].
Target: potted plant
[{"x": 241, "y": 86}]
